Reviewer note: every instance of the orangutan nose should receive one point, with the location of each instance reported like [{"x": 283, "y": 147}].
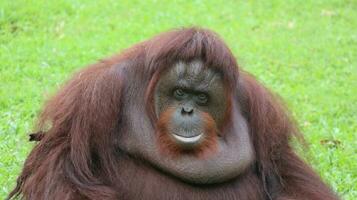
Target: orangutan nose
[{"x": 187, "y": 110}]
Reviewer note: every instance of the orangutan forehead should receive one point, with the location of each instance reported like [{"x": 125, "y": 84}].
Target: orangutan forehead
[{"x": 195, "y": 71}]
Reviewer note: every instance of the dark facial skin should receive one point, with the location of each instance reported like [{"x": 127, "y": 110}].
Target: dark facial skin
[
  {"x": 234, "y": 151},
  {"x": 190, "y": 90}
]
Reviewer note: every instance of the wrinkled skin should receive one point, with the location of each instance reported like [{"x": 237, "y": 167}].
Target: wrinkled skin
[
  {"x": 234, "y": 152},
  {"x": 172, "y": 117}
]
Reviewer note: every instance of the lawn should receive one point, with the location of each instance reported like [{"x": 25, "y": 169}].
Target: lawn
[{"x": 304, "y": 50}]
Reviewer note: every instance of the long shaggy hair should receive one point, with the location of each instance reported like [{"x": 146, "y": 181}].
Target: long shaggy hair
[{"x": 76, "y": 156}]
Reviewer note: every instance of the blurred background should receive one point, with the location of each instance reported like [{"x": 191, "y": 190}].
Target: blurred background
[{"x": 306, "y": 51}]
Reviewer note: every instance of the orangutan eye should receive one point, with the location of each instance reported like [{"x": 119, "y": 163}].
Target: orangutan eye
[
  {"x": 202, "y": 98},
  {"x": 179, "y": 93}
]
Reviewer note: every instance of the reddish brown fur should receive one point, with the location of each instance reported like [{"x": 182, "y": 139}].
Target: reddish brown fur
[
  {"x": 167, "y": 146},
  {"x": 77, "y": 157},
  {"x": 209, "y": 146}
]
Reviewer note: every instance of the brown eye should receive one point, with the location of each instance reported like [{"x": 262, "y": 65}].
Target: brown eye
[
  {"x": 179, "y": 93},
  {"x": 202, "y": 98}
]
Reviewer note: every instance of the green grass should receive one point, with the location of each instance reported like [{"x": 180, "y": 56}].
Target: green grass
[{"x": 304, "y": 50}]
